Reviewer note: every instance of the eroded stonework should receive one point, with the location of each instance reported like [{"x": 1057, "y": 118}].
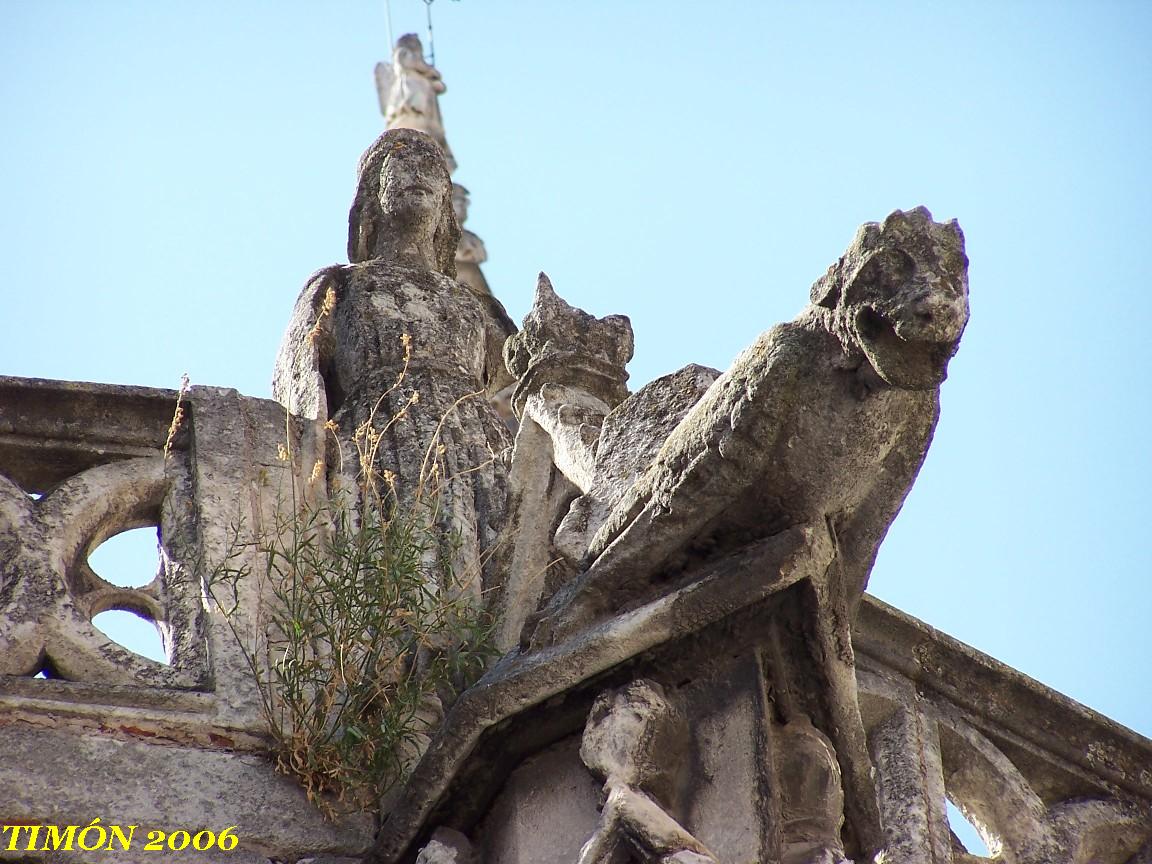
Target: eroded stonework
[
  {"x": 109, "y": 734},
  {"x": 392, "y": 343}
]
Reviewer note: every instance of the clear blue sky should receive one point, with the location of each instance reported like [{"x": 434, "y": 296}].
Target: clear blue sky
[{"x": 172, "y": 173}]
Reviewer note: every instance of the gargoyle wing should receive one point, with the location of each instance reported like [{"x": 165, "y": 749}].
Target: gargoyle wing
[{"x": 701, "y": 472}]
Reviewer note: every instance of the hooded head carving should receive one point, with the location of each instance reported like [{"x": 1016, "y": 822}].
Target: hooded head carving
[
  {"x": 404, "y": 194},
  {"x": 900, "y": 296}
]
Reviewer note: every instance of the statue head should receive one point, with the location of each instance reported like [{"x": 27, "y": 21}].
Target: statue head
[
  {"x": 637, "y": 736},
  {"x": 900, "y": 295},
  {"x": 409, "y": 51},
  {"x": 460, "y": 201},
  {"x": 404, "y": 197}
]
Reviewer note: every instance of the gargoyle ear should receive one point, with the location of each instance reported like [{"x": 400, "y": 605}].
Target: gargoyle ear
[
  {"x": 903, "y": 219},
  {"x": 826, "y": 290}
]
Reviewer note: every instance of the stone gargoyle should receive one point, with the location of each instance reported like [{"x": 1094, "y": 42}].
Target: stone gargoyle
[
  {"x": 820, "y": 427},
  {"x": 823, "y": 421}
]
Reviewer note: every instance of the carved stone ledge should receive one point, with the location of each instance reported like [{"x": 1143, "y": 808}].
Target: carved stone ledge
[
  {"x": 51, "y": 430},
  {"x": 1043, "y": 729},
  {"x": 520, "y": 683},
  {"x": 521, "y": 721}
]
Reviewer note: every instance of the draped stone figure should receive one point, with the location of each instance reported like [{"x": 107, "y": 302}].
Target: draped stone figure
[
  {"x": 396, "y": 311},
  {"x": 634, "y": 742}
]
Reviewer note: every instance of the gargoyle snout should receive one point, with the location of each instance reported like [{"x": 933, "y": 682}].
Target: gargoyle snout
[{"x": 935, "y": 316}]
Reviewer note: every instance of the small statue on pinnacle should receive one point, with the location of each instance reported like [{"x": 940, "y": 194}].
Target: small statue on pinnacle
[{"x": 409, "y": 89}]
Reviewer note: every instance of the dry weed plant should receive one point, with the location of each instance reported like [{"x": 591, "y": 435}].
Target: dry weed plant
[
  {"x": 177, "y": 415},
  {"x": 362, "y": 625}
]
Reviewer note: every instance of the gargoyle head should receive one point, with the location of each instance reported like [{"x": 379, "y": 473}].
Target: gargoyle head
[{"x": 900, "y": 295}]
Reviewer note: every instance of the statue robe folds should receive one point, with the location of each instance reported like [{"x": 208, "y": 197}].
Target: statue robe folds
[{"x": 393, "y": 343}]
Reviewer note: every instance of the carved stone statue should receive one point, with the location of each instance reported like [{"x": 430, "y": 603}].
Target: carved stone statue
[
  {"x": 396, "y": 309},
  {"x": 820, "y": 426},
  {"x": 810, "y": 791},
  {"x": 409, "y": 91},
  {"x": 635, "y": 741},
  {"x": 823, "y": 421}
]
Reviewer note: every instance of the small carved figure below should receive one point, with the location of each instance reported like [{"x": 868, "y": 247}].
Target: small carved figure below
[
  {"x": 635, "y": 740},
  {"x": 811, "y": 795}
]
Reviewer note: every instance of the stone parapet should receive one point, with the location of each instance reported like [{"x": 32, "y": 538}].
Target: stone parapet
[{"x": 91, "y": 729}]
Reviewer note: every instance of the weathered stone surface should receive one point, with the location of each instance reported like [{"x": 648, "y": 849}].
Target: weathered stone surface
[
  {"x": 538, "y": 495},
  {"x": 726, "y": 804},
  {"x": 52, "y": 430},
  {"x": 824, "y": 419},
  {"x": 447, "y": 847},
  {"x": 630, "y": 438},
  {"x": 143, "y": 782},
  {"x": 906, "y": 751},
  {"x": 392, "y": 343},
  {"x": 546, "y": 811}
]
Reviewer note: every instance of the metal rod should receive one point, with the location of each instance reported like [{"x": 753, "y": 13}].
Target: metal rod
[{"x": 431, "y": 42}]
